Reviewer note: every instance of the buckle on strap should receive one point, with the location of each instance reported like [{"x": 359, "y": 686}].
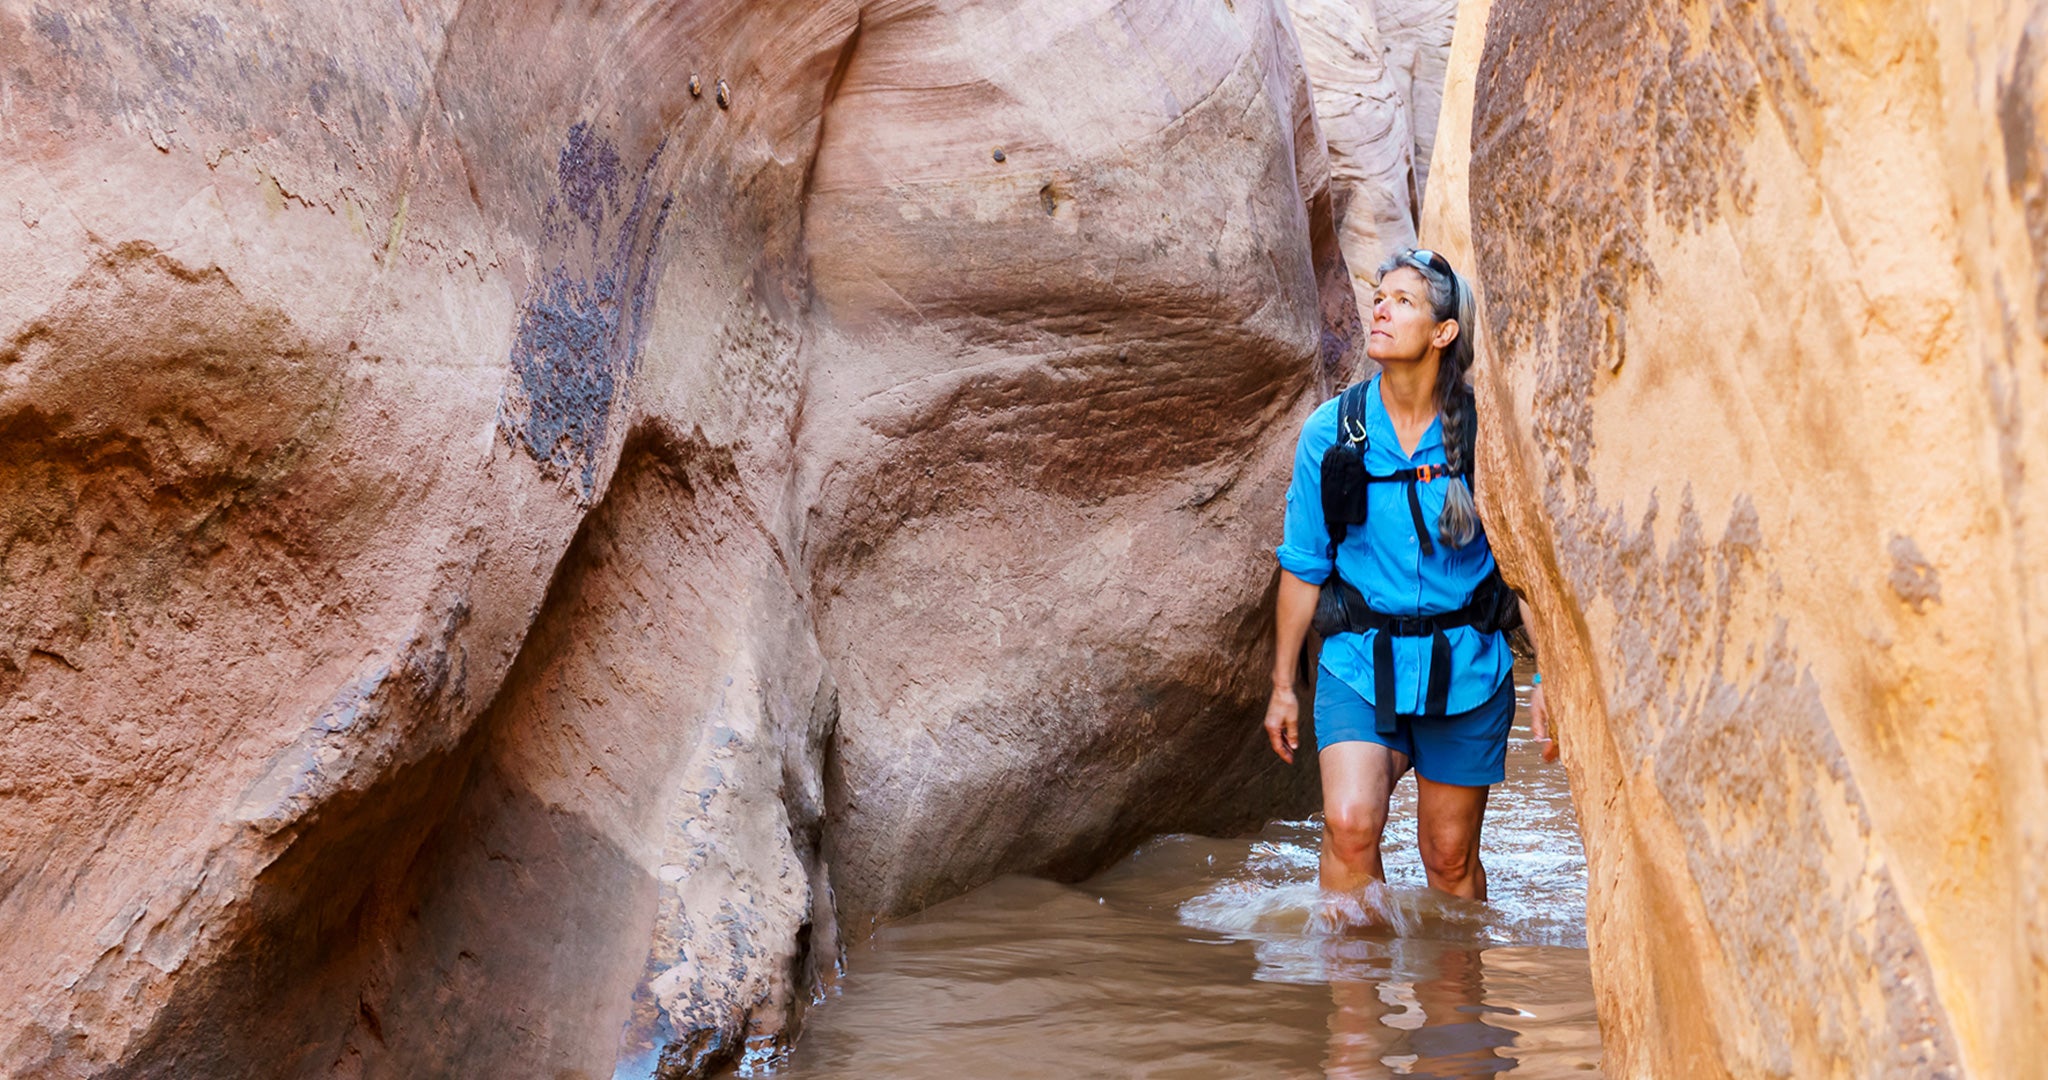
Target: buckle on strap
[{"x": 1410, "y": 626}]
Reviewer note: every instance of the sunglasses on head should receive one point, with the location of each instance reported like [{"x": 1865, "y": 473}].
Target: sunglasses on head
[{"x": 1432, "y": 260}]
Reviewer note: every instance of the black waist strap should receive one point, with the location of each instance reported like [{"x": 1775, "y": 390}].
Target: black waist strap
[
  {"x": 1359, "y": 618},
  {"x": 1385, "y": 718},
  {"x": 1415, "y": 625}
]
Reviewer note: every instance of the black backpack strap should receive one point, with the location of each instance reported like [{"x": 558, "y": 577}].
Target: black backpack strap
[
  {"x": 1350, "y": 429},
  {"x": 1351, "y": 414},
  {"x": 1383, "y": 713},
  {"x": 1415, "y": 512},
  {"x": 1438, "y": 700}
]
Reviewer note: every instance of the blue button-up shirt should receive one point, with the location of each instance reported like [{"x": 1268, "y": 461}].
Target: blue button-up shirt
[{"x": 1384, "y": 561}]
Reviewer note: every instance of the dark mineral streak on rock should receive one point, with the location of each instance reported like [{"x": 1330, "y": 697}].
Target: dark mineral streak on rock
[
  {"x": 1669, "y": 151},
  {"x": 1913, "y": 579},
  {"x": 2023, "y": 121},
  {"x": 581, "y": 332},
  {"x": 589, "y": 175}
]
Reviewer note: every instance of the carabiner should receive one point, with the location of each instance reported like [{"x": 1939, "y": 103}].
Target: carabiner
[{"x": 1345, "y": 425}]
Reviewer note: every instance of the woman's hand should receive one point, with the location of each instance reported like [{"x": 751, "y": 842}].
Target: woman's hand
[
  {"x": 1283, "y": 722},
  {"x": 1539, "y": 723}
]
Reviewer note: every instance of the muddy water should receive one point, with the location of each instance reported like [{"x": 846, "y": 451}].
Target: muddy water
[{"x": 1197, "y": 957}]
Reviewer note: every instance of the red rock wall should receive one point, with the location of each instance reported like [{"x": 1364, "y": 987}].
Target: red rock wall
[
  {"x": 1763, "y": 340},
  {"x": 1045, "y": 426},
  {"x": 493, "y": 542}
]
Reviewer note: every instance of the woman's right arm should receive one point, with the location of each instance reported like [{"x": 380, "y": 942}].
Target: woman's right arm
[
  {"x": 1305, "y": 561},
  {"x": 1296, "y": 607}
]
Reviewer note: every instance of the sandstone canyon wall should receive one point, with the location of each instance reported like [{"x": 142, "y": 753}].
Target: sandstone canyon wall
[
  {"x": 1765, "y": 294},
  {"x": 1378, "y": 71},
  {"x": 1368, "y": 126},
  {"x": 518, "y": 520}
]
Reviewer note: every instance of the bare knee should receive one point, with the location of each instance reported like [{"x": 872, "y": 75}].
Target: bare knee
[
  {"x": 1354, "y": 828},
  {"x": 1450, "y": 859}
]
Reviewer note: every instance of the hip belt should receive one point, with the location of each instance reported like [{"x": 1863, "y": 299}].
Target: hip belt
[{"x": 1341, "y": 609}]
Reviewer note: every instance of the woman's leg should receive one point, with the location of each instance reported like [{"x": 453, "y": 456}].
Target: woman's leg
[
  {"x": 1447, "y": 823},
  {"x": 1358, "y": 780}
]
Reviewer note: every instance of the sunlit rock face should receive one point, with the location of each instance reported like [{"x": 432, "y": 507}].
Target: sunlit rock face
[
  {"x": 1765, "y": 339},
  {"x": 1417, "y": 36},
  {"x": 506, "y": 513}
]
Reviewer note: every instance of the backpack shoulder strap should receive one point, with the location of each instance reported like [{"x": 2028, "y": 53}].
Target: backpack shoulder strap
[
  {"x": 1344, "y": 467},
  {"x": 1351, "y": 414}
]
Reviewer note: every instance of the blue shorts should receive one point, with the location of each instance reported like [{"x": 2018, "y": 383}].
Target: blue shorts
[{"x": 1469, "y": 749}]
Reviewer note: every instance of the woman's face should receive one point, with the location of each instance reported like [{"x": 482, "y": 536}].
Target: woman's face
[{"x": 1404, "y": 325}]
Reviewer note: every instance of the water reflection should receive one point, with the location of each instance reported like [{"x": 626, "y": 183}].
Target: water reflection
[
  {"x": 1435, "y": 1011},
  {"x": 1198, "y": 957},
  {"x": 1438, "y": 1026},
  {"x": 1429, "y": 985}
]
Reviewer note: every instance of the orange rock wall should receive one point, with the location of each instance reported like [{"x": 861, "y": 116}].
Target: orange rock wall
[{"x": 1765, "y": 350}]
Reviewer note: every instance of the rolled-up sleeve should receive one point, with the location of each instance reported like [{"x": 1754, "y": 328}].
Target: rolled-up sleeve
[{"x": 1304, "y": 549}]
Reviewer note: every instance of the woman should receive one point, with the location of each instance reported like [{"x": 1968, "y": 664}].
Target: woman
[{"x": 1415, "y": 666}]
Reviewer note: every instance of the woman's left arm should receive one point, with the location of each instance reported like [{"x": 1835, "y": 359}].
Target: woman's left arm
[{"x": 1539, "y": 715}]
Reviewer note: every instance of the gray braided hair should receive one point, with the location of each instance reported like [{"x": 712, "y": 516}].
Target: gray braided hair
[{"x": 1450, "y": 298}]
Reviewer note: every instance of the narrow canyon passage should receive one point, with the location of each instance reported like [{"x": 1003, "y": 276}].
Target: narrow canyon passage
[
  {"x": 1198, "y": 957},
  {"x": 528, "y": 528}
]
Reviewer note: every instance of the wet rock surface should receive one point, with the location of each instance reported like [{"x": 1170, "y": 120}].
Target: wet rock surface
[
  {"x": 1760, "y": 351},
  {"x": 516, "y": 524}
]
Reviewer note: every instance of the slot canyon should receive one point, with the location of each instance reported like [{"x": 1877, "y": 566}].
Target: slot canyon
[{"x": 529, "y": 530}]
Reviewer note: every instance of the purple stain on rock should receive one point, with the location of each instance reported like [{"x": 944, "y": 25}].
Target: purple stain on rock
[
  {"x": 352, "y": 703},
  {"x": 565, "y": 363},
  {"x": 588, "y": 175},
  {"x": 1913, "y": 579},
  {"x": 580, "y": 334},
  {"x": 52, "y": 26}
]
